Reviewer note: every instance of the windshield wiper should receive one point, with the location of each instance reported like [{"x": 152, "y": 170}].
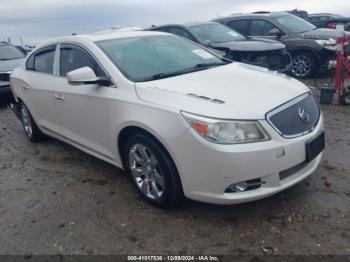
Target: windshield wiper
[
  {"x": 197, "y": 67},
  {"x": 205, "y": 66},
  {"x": 164, "y": 75}
]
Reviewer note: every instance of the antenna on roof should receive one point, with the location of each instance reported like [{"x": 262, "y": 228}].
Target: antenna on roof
[
  {"x": 217, "y": 14},
  {"x": 299, "y": 5}
]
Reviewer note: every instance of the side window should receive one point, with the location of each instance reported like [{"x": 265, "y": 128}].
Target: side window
[
  {"x": 180, "y": 32},
  {"x": 261, "y": 27},
  {"x": 74, "y": 57},
  {"x": 30, "y": 63},
  {"x": 325, "y": 18},
  {"x": 241, "y": 26},
  {"x": 312, "y": 19},
  {"x": 42, "y": 61}
]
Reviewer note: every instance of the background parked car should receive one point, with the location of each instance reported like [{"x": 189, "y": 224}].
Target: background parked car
[
  {"x": 309, "y": 46},
  {"x": 232, "y": 45},
  {"x": 325, "y": 20},
  {"x": 10, "y": 58}
]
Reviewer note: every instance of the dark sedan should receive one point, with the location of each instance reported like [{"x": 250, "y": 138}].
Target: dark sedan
[
  {"x": 232, "y": 45},
  {"x": 325, "y": 20}
]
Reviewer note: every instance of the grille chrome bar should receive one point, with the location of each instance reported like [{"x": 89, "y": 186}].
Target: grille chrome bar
[{"x": 285, "y": 118}]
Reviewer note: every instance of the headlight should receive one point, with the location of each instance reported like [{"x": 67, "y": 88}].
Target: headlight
[
  {"x": 329, "y": 44},
  {"x": 227, "y": 131}
]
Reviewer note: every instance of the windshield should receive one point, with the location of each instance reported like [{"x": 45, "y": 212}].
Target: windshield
[
  {"x": 148, "y": 58},
  {"x": 215, "y": 33},
  {"x": 9, "y": 52},
  {"x": 295, "y": 24}
]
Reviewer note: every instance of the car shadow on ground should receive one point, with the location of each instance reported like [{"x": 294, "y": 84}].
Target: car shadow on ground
[
  {"x": 116, "y": 181},
  {"x": 72, "y": 164}
]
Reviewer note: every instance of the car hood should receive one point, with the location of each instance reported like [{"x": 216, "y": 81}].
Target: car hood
[
  {"x": 246, "y": 91},
  {"x": 10, "y": 65},
  {"x": 250, "y": 45},
  {"x": 323, "y": 33}
]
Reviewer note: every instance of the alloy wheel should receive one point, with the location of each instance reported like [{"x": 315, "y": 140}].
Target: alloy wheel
[
  {"x": 27, "y": 123},
  {"x": 301, "y": 65},
  {"x": 145, "y": 170}
]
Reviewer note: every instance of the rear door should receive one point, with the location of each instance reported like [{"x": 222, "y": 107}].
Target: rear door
[{"x": 39, "y": 86}]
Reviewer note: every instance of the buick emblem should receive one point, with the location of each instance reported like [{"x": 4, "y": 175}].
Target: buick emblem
[{"x": 303, "y": 115}]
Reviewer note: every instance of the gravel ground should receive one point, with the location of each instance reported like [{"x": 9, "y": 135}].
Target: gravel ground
[{"x": 55, "y": 199}]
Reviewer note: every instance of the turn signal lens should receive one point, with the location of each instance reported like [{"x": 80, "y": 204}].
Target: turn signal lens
[{"x": 200, "y": 128}]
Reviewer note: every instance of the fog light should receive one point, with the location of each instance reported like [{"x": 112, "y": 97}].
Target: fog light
[
  {"x": 244, "y": 186},
  {"x": 238, "y": 187}
]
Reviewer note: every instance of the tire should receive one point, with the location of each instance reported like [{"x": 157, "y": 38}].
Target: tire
[
  {"x": 152, "y": 170},
  {"x": 304, "y": 64},
  {"x": 30, "y": 128},
  {"x": 346, "y": 98}
]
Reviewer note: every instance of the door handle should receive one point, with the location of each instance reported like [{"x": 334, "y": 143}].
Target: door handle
[
  {"x": 25, "y": 87},
  {"x": 58, "y": 97}
]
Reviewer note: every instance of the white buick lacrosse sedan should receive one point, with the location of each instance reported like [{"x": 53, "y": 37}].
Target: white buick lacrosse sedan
[{"x": 181, "y": 120}]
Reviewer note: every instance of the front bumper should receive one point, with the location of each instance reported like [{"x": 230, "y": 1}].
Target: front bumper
[
  {"x": 207, "y": 169},
  {"x": 276, "y": 60},
  {"x": 324, "y": 57},
  {"x": 5, "y": 87}
]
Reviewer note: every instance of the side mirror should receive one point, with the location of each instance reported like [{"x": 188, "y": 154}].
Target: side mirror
[
  {"x": 275, "y": 32},
  {"x": 85, "y": 76}
]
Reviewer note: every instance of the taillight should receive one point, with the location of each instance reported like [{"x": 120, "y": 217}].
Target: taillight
[{"x": 331, "y": 25}]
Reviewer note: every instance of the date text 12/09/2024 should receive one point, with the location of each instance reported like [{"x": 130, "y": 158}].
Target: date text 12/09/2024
[{"x": 173, "y": 258}]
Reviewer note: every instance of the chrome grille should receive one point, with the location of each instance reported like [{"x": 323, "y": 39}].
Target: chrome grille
[{"x": 296, "y": 117}]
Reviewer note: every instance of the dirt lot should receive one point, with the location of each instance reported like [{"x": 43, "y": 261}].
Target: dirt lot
[{"x": 55, "y": 199}]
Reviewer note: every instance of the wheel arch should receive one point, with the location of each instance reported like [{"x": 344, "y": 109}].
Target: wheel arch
[
  {"x": 132, "y": 129},
  {"x": 306, "y": 49}
]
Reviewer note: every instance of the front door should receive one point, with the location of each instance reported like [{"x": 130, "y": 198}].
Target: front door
[{"x": 83, "y": 109}]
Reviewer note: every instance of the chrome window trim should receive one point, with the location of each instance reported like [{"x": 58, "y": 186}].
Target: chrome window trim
[{"x": 285, "y": 106}]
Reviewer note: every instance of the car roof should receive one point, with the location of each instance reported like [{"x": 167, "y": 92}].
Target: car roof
[
  {"x": 253, "y": 15},
  {"x": 102, "y": 36},
  {"x": 198, "y": 23},
  {"x": 181, "y": 25},
  {"x": 320, "y": 14}
]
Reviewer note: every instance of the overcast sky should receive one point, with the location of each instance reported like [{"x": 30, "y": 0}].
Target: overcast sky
[{"x": 47, "y": 18}]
